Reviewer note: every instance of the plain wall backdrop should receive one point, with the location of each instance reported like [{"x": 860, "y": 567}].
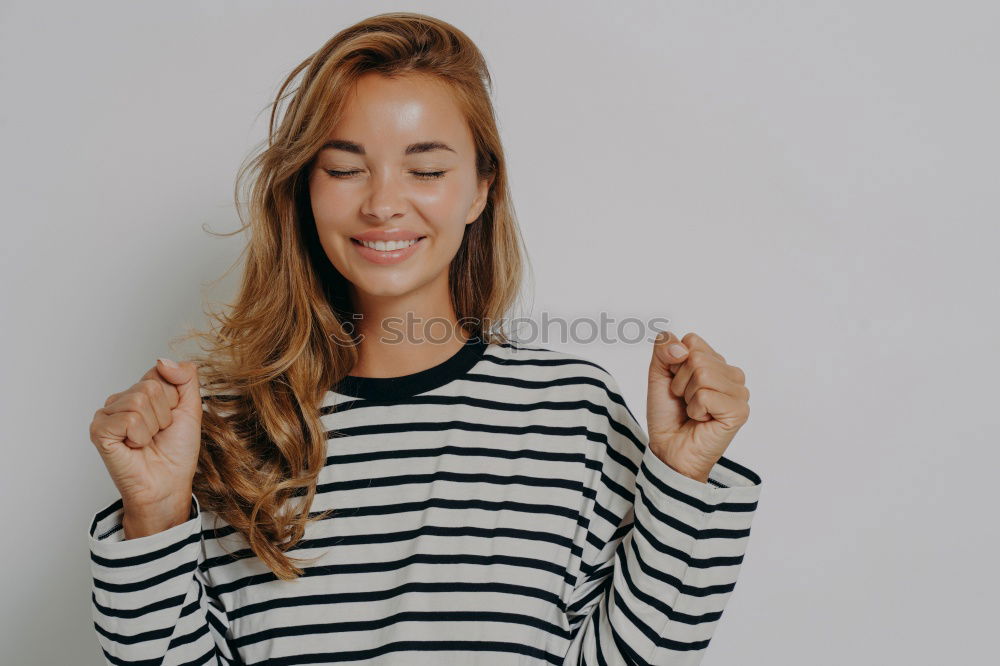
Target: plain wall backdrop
[{"x": 812, "y": 187}]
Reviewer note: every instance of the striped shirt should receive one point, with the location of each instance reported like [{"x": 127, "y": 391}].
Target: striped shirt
[{"x": 501, "y": 507}]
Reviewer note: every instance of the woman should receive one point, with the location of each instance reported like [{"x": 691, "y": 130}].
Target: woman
[{"x": 361, "y": 469}]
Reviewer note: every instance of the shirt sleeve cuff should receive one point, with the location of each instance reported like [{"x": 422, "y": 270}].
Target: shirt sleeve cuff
[
  {"x": 732, "y": 499},
  {"x": 107, "y": 536}
]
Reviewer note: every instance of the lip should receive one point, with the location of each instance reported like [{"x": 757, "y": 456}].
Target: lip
[
  {"x": 390, "y": 257},
  {"x": 388, "y": 235}
]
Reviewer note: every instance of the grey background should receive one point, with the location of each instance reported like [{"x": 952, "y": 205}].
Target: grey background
[{"x": 812, "y": 187}]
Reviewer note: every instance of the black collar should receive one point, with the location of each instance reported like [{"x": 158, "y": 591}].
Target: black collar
[{"x": 395, "y": 388}]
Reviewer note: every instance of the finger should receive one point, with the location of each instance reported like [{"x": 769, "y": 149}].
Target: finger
[
  {"x": 707, "y": 404},
  {"x": 169, "y": 390},
  {"x": 185, "y": 378},
  {"x": 707, "y": 372},
  {"x": 716, "y": 382},
  {"x": 699, "y": 362},
  {"x": 668, "y": 352},
  {"x": 127, "y": 427},
  {"x": 158, "y": 400},
  {"x": 137, "y": 431},
  {"x": 108, "y": 432},
  {"x": 694, "y": 341},
  {"x": 139, "y": 402}
]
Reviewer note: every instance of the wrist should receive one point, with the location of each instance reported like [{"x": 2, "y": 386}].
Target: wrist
[
  {"x": 701, "y": 477},
  {"x": 696, "y": 473},
  {"x": 140, "y": 521}
]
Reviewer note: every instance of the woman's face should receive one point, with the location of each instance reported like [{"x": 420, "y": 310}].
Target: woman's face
[{"x": 400, "y": 164}]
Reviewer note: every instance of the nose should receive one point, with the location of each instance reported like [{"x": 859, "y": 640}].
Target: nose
[{"x": 385, "y": 199}]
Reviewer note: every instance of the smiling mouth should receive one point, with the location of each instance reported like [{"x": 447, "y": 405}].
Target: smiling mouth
[{"x": 394, "y": 249}]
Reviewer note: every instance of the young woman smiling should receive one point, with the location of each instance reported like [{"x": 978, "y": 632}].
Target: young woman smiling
[{"x": 360, "y": 469}]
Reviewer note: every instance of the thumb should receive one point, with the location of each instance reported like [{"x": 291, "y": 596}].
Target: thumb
[
  {"x": 184, "y": 376},
  {"x": 668, "y": 353},
  {"x": 665, "y": 413}
]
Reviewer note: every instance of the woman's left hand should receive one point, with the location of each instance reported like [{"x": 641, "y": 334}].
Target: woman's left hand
[{"x": 695, "y": 405}]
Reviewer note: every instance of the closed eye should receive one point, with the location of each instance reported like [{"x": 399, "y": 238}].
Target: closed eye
[{"x": 423, "y": 175}]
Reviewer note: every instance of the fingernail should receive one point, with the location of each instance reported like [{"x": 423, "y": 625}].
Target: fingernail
[
  {"x": 167, "y": 362},
  {"x": 660, "y": 336},
  {"x": 677, "y": 350}
]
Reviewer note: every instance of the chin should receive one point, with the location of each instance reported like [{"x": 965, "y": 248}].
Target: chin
[
  {"x": 389, "y": 291},
  {"x": 383, "y": 288}
]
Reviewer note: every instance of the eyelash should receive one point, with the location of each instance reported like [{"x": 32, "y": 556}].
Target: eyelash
[{"x": 423, "y": 175}]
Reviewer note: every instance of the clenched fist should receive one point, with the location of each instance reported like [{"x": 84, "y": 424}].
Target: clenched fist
[
  {"x": 696, "y": 403},
  {"x": 149, "y": 436}
]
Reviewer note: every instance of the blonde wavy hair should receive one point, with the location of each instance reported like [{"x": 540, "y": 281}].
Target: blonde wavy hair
[{"x": 283, "y": 342}]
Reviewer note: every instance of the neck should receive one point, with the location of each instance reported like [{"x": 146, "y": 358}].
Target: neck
[{"x": 401, "y": 336}]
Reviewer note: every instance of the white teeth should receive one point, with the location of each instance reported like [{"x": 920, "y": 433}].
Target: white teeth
[{"x": 388, "y": 246}]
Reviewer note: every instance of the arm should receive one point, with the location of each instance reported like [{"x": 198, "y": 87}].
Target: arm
[
  {"x": 151, "y": 604},
  {"x": 661, "y": 551}
]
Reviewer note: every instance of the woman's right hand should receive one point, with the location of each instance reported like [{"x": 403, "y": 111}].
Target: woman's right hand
[{"x": 149, "y": 436}]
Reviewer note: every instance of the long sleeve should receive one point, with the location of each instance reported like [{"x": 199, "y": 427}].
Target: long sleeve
[
  {"x": 151, "y": 605},
  {"x": 660, "y": 551}
]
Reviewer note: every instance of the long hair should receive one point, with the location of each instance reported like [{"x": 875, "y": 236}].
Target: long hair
[{"x": 287, "y": 338}]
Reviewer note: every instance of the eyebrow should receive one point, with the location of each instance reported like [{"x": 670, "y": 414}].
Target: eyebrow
[{"x": 412, "y": 149}]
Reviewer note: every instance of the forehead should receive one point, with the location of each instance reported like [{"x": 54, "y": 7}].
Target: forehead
[{"x": 383, "y": 111}]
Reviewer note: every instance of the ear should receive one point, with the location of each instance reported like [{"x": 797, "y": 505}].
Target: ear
[{"x": 482, "y": 195}]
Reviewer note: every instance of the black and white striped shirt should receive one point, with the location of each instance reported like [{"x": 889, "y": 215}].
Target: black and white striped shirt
[{"x": 501, "y": 507}]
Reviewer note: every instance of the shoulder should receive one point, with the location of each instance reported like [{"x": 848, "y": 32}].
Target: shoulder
[
  {"x": 542, "y": 361},
  {"x": 562, "y": 374}
]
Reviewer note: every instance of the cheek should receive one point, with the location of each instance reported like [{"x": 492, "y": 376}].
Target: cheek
[
  {"x": 445, "y": 207},
  {"x": 326, "y": 204}
]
